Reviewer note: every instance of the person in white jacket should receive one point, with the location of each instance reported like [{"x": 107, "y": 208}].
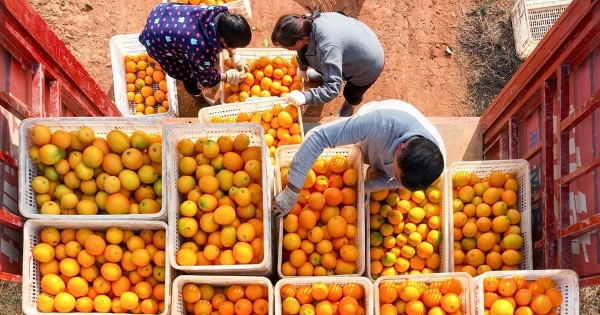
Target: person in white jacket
[{"x": 395, "y": 138}]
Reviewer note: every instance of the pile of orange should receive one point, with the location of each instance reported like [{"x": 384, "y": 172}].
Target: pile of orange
[
  {"x": 82, "y": 173},
  {"x": 232, "y": 300},
  {"x": 267, "y": 77},
  {"x": 405, "y": 231},
  {"x": 519, "y": 296},
  {"x": 419, "y": 298},
  {"x": 281, "y": 125},
  {"x": 146, "y": 85},
  {"x": 320, "y": 233},
  {"x": 323, "y": 299},
  {"x": 221, "y": 214},
  {"x": 486, "y": 221},
  {"x": 116, "y": 270}
]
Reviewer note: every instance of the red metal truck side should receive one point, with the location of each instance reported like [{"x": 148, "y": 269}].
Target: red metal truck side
[
  {"x": 547, "y": 115},
  {"x": 39, "y": 77}
]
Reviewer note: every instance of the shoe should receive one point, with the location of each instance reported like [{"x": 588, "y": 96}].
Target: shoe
[
  {"x": 345, "y": 110},
  {"x": 193, "y": 88}
]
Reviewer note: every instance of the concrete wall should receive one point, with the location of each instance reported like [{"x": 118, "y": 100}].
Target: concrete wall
[{"x": 462, "y": 138}]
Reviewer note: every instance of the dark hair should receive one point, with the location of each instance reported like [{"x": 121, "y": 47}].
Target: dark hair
[
  {"x": 235, "y": 30},
  {"x": 421, "y": 163},
  {"x": 291, "y": 28}
]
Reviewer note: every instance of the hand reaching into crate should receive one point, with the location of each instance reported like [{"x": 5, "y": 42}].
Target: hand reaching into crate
[
  {"x": 296, "y": 97},
  {"x": 283, "y": 202},
  {"x": 234, "y": 76},
  {"x": 239, "y": 63}
]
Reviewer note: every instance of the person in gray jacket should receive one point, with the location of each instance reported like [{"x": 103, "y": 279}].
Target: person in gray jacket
[
  {"x": 337, "y": 48},
  {"x": 395, "y": 138}
]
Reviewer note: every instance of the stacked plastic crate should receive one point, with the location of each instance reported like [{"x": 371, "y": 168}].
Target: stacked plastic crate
[{"x": 95, "y": 238}]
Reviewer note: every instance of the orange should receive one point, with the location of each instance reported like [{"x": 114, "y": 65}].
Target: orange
[
  {"x": 243, "y": 307},
  {"x": 541, "y": 304},
  {"x": 348, "y": 306},
  {"x": 235, "y": 292},
  {"x": 415, "y": 308},
  {"x": 523, "y": 297},
  {"x": 451, "y": 286},
  {"x": 450, "y": 302},
  {"x": 432, "y": 297},
  {"x": 507, "y": 287},
  {"x": 52, "y": 284},
  {"x": 388, "y": 292},
  {"x": 497, "y": 179},
  {"x": 555, "y": 296},
  {"x": 353, "y": 290},
  {"x": 336, "y": 226},
  {"x": 501, "y": 307}
]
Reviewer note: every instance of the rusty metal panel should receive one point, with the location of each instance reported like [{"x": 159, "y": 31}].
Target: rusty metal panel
[
  {"x": 531, "y": 136},
  {"x": 584, "y": 254},
  {"x": 11, "y": 245}
]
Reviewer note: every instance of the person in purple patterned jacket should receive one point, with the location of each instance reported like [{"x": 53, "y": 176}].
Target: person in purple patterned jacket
[{"x": 185, "y": 40}]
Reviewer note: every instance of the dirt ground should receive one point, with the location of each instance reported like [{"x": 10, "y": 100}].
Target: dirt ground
[{"x": 414, "y": 34}]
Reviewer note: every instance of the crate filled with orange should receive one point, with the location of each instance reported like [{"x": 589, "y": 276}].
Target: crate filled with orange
[
  {"x": 521, "y": 292},
  {"x": 91, "y": 168},
  {"x": 406, "y": 231},
  {"x": 281, "y": 121},
  {"x": 239, "y": 295},
  {"x": 432, "y": 294},
  {"x": 141, "y": 86},
  {"x": 217, "y": 183},
  {"x": 272, "y": 73},
  {"x": 323, "y": 235},
  {"x": 491, "y": 221},
  {"x": 95, "y": 267},
  {"x": 324, "y": 295}
]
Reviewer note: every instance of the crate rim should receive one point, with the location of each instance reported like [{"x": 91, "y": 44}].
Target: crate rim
[
  {"x": 119, "y": 88},
  {"x": 112, "y": 123},
  {"x": 168, "y": 130},
  {"x": 524, "y": 166},
  {"x": 574, "y": 277},
  {"x": 359, "y": 190},
  {"x": 27, "y": 263}
]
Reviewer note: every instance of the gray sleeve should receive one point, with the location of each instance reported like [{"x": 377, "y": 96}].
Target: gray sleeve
[
  {"x": 336, "y": 133},
  {"x": 332, "y": 78},
  {"x": 382, "y": 182}
]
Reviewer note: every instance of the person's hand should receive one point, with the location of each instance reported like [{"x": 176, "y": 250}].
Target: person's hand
[
  {"x": 296, "y": 97},
  {"x": 302, "y": 75},
  {"x": 283, "y": 203},
  {"x": 240, "y": 64},
  {"x": 234, "y": 76}
]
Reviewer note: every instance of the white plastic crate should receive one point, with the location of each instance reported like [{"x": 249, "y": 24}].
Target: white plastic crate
[
  {"x": 445, "y": 247},
  {"x": 241, "y": 7},
  {"x": 283, "y": 158},
  {"x": 466, "y": 298},
  {"x": 121, "y": 45},
  {"x": 178, "y": 306},
  {"x": 172, "y": 133},
  {"x": 255, "y": 105},
  {"x": 32, "y": 276},
  {"x": 101, "y": 126},
  {"x": 531, "y": 20},
  {"x": 365, "y": 283},
  {"x": 566, "y": 281},
  {"x": 518, "y": 167}
]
